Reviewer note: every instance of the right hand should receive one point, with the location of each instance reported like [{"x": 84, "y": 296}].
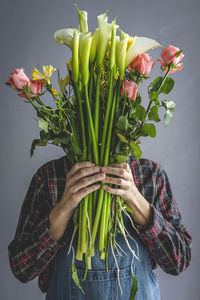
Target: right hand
[{"x": 79, "y": 184}]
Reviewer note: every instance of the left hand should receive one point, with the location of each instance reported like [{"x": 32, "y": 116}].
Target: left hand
[
  {"x": 142, "y": 213},
  {"x": 127, "y": 188}
]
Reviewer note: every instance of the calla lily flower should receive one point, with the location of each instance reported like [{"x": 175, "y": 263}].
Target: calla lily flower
[
  {"x": 113, "y": 44},
  {"x": 138, "y": 46},
  {"x": 75, "y": 55},
  {"x": 121, "y": 54},
  {"x": 83, "y": 27},
  {"x": 84, "y": 46},
  {"x": 104, "y": 35},
  {"x": 64, "y": 36},
  {"x": 93, "y": 50}
]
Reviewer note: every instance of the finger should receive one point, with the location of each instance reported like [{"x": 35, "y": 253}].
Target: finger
[
  {"x": 83, "y": 172},
  {"x": 80, "y": 165},
  {"x": 86, "y": 181},
  {"x": 120, "y": 165},
  {"x": 84, "y": 192},
  {"x": 118, "y": 181},
  {"x": 118, "y": 192},
  {"x": 116, "y": 171}
]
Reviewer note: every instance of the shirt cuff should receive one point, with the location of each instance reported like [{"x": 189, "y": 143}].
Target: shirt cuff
[
  {"x": 47, "y": 241},
  {"x": 153, "y": 230}
]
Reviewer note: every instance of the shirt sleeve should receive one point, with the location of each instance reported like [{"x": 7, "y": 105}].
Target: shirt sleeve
[
  {"x": 33, "y": 246},
  {"x": 167, "y": 239}
]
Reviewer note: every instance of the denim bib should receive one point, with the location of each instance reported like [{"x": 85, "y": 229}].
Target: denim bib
[{"x": 102, "y": 285}]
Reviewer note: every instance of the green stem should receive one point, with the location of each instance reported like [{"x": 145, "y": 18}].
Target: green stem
[
  {"x": 119, "y": 82},
  {"x": 90, "y": 121},
  {"x": 108, "y": 140},
  {"x": 165, "y": 77},
  {"x": 124, "y": 105},
  {"x": 105, "y": 126},
  {"x": 97, "y": 216},
  {"x": 97, "y": 104},
  {"x": 106, "y": 159},
  {"x": 79, "y": 254},
  {"x": 103, "y": 222},
  {"x": 84, "y": 225},
  {"x": 84, "y": 145}
]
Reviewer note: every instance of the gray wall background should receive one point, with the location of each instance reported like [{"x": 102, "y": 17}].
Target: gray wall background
[{"x": 27, "y": 29}]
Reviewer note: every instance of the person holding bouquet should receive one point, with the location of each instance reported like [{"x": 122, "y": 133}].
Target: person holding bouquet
[
  {"x": 43, "y": 233},
  {"x": 96, "y": 222}
]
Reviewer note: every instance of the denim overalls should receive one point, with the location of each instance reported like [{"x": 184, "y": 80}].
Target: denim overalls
[{"x": 102, "y": 285}]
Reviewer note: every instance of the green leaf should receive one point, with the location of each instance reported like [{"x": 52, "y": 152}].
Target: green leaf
[
  {"x": 65, "y": 140},
  {"x": 75, "y": 147},
  {"x": 43, "y": 124},
  {"x": 156, "y": 83},
  {"x": 134, "y": 288},
  {"x": 153, "y": 96},
  {"x": 150, "y": 129},
  {"x": 122, "y": 138},
  {"x": 117, "y": 148},
  {"x": 138, "y": 99},
  {"x": 135, "y": 150},
  {"x": 168, "y": 104},
  {"x": 153, "y": 114},
  {"x": 42, "y": 135},
  {"x": 122, "y": 123},
  {"x": 45, "y": 136},
  {"x": 167, "y": 86},
  {"x": 121, "y": 158},
  {"x": 36, "y": 142},
  {"x": 179, "y": 52},
  {"x": 132, "y": 122},
  {"x": 140, "y": 112},
  {"x": 168, "y": 117},
  {"x": 75, "y": 277}
]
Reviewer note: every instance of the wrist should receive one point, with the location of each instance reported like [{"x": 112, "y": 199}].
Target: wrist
[{"x": 142, "y": 212}]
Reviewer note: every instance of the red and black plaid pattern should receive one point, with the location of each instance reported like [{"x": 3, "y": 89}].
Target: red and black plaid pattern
[{"x": 33, "y": 248}]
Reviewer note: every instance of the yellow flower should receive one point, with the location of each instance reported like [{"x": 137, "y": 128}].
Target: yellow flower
[
  {"x": 55, "y": 92},
  {"x": 63, "y": 82},
  {"x": 47, "y": 72}
]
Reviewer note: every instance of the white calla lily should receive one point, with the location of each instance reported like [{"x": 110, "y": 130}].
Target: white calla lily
[
  {"x": 64, "y": 36},
  {"x": 75, "y": 55},
  {"x": 121, "y": 54},
  {"x": 139, "y": 45},
  {"x": 85, "y": 45},
  {"x": 93, "y": 50},
  {"x": 113, "y": 44},
  {"x": 104, "y": 33},
  {"x": 83, "y": 27}
]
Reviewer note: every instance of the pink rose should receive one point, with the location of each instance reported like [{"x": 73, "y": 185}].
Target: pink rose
[
  {"x": 130, "y": 88},
  {"x": 169, "y": 55},
  {"x": 35, "y": 87},
  {"x": 142, "y": 63},
  {"x": 18, "y": 79}
]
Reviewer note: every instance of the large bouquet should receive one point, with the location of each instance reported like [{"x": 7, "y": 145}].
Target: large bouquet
[{"x": 98, "y": 116}]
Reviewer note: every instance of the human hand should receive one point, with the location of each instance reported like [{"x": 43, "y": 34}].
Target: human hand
[
  {"x": 79, "y": 184},
  {"x": 142, "y": 213},
  {"x": 124, "y": 180}
]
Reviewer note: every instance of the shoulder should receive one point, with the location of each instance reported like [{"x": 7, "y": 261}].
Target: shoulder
[
  {"x": 145, "y": 165},
  {"x": 55, "y": 167}
]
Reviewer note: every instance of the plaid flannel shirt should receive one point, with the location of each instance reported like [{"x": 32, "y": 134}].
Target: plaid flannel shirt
[{"x": 33, "y": 248}]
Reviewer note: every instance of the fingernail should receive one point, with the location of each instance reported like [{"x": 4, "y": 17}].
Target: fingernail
[{"x": 102, "y": 175}]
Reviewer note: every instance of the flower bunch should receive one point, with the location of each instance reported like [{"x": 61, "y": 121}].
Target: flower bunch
[{"x": 99, "y": 116}]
